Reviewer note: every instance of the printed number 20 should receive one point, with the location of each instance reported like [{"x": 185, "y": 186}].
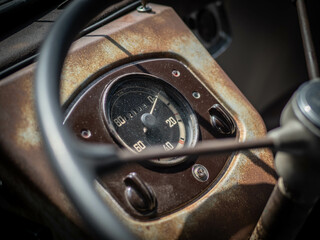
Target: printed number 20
[{"x": 171, "y": 122}]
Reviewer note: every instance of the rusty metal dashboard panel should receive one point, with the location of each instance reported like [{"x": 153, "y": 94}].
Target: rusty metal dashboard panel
[
  {"x": 229, "y": 204},
  {"x": 174, "y": 186}
]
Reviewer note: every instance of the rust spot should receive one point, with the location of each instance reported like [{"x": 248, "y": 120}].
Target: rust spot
[
  {"x": 27, "y": 134},
  {"x": 21, "y": 141}
]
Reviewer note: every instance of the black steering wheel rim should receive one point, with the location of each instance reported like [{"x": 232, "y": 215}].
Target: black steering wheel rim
[{"x": 63, "y": 149}]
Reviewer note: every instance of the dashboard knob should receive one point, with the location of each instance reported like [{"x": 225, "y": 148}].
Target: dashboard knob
[
  {"x": 139, "y": 195},
  {"x": 222, "y": 122}
]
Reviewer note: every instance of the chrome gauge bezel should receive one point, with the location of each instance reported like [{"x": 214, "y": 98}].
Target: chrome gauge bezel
[{"x": 191, "y": 125}]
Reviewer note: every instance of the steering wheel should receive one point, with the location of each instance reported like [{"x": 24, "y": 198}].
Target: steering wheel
[
  {"x": 71, "y": 159},
  {"x": 77, "y": 163}
]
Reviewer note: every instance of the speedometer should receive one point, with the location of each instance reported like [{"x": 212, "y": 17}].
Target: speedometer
[{"x": 141, "y": 111}]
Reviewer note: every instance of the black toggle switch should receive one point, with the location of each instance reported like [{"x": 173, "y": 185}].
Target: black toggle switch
[
  {"x": 222, "y": 122},
  {"x": 139, "y": 195}
]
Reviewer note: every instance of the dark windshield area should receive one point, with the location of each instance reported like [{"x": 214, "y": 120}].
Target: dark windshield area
[{"x": 16, "y": 14}]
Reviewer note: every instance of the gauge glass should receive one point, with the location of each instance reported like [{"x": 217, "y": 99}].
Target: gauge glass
[{"x": 143, "y": 111}]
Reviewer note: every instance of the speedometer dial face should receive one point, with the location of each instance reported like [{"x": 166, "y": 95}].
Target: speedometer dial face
[{"x": 142, "y": 111}]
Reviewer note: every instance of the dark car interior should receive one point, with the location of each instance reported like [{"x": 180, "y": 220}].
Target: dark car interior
[{"x": 159, "y": 120}]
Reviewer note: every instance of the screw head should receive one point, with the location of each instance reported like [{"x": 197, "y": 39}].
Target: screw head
[
  {"x": 200, "y": 172},
  {"x": 176, "y": 73},
  {"x": 85, "y": 133},
  {"x": 196, "y": 95}
]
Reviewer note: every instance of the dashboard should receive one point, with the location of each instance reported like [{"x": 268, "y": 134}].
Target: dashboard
[
  {"x": 143, "y": 80},
  {"x": 138, "y": 106}
]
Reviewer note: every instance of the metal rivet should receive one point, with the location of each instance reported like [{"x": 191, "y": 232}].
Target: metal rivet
[
  {"x": 176, "y": 73},
  {"x": 85, "y": 133},
  {"x": 196, "y": 95},
  {"x": 200, "y": 172}
]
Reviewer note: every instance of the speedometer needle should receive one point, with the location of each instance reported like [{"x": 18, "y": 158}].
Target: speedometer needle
[{"x": 154, "y": 104}]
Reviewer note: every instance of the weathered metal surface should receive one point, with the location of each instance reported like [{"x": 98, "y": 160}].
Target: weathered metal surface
[
  {"x": 229, "y": 210},
  {"x": 176, "y": 186},
  {"x": 23, "y": 166}
]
